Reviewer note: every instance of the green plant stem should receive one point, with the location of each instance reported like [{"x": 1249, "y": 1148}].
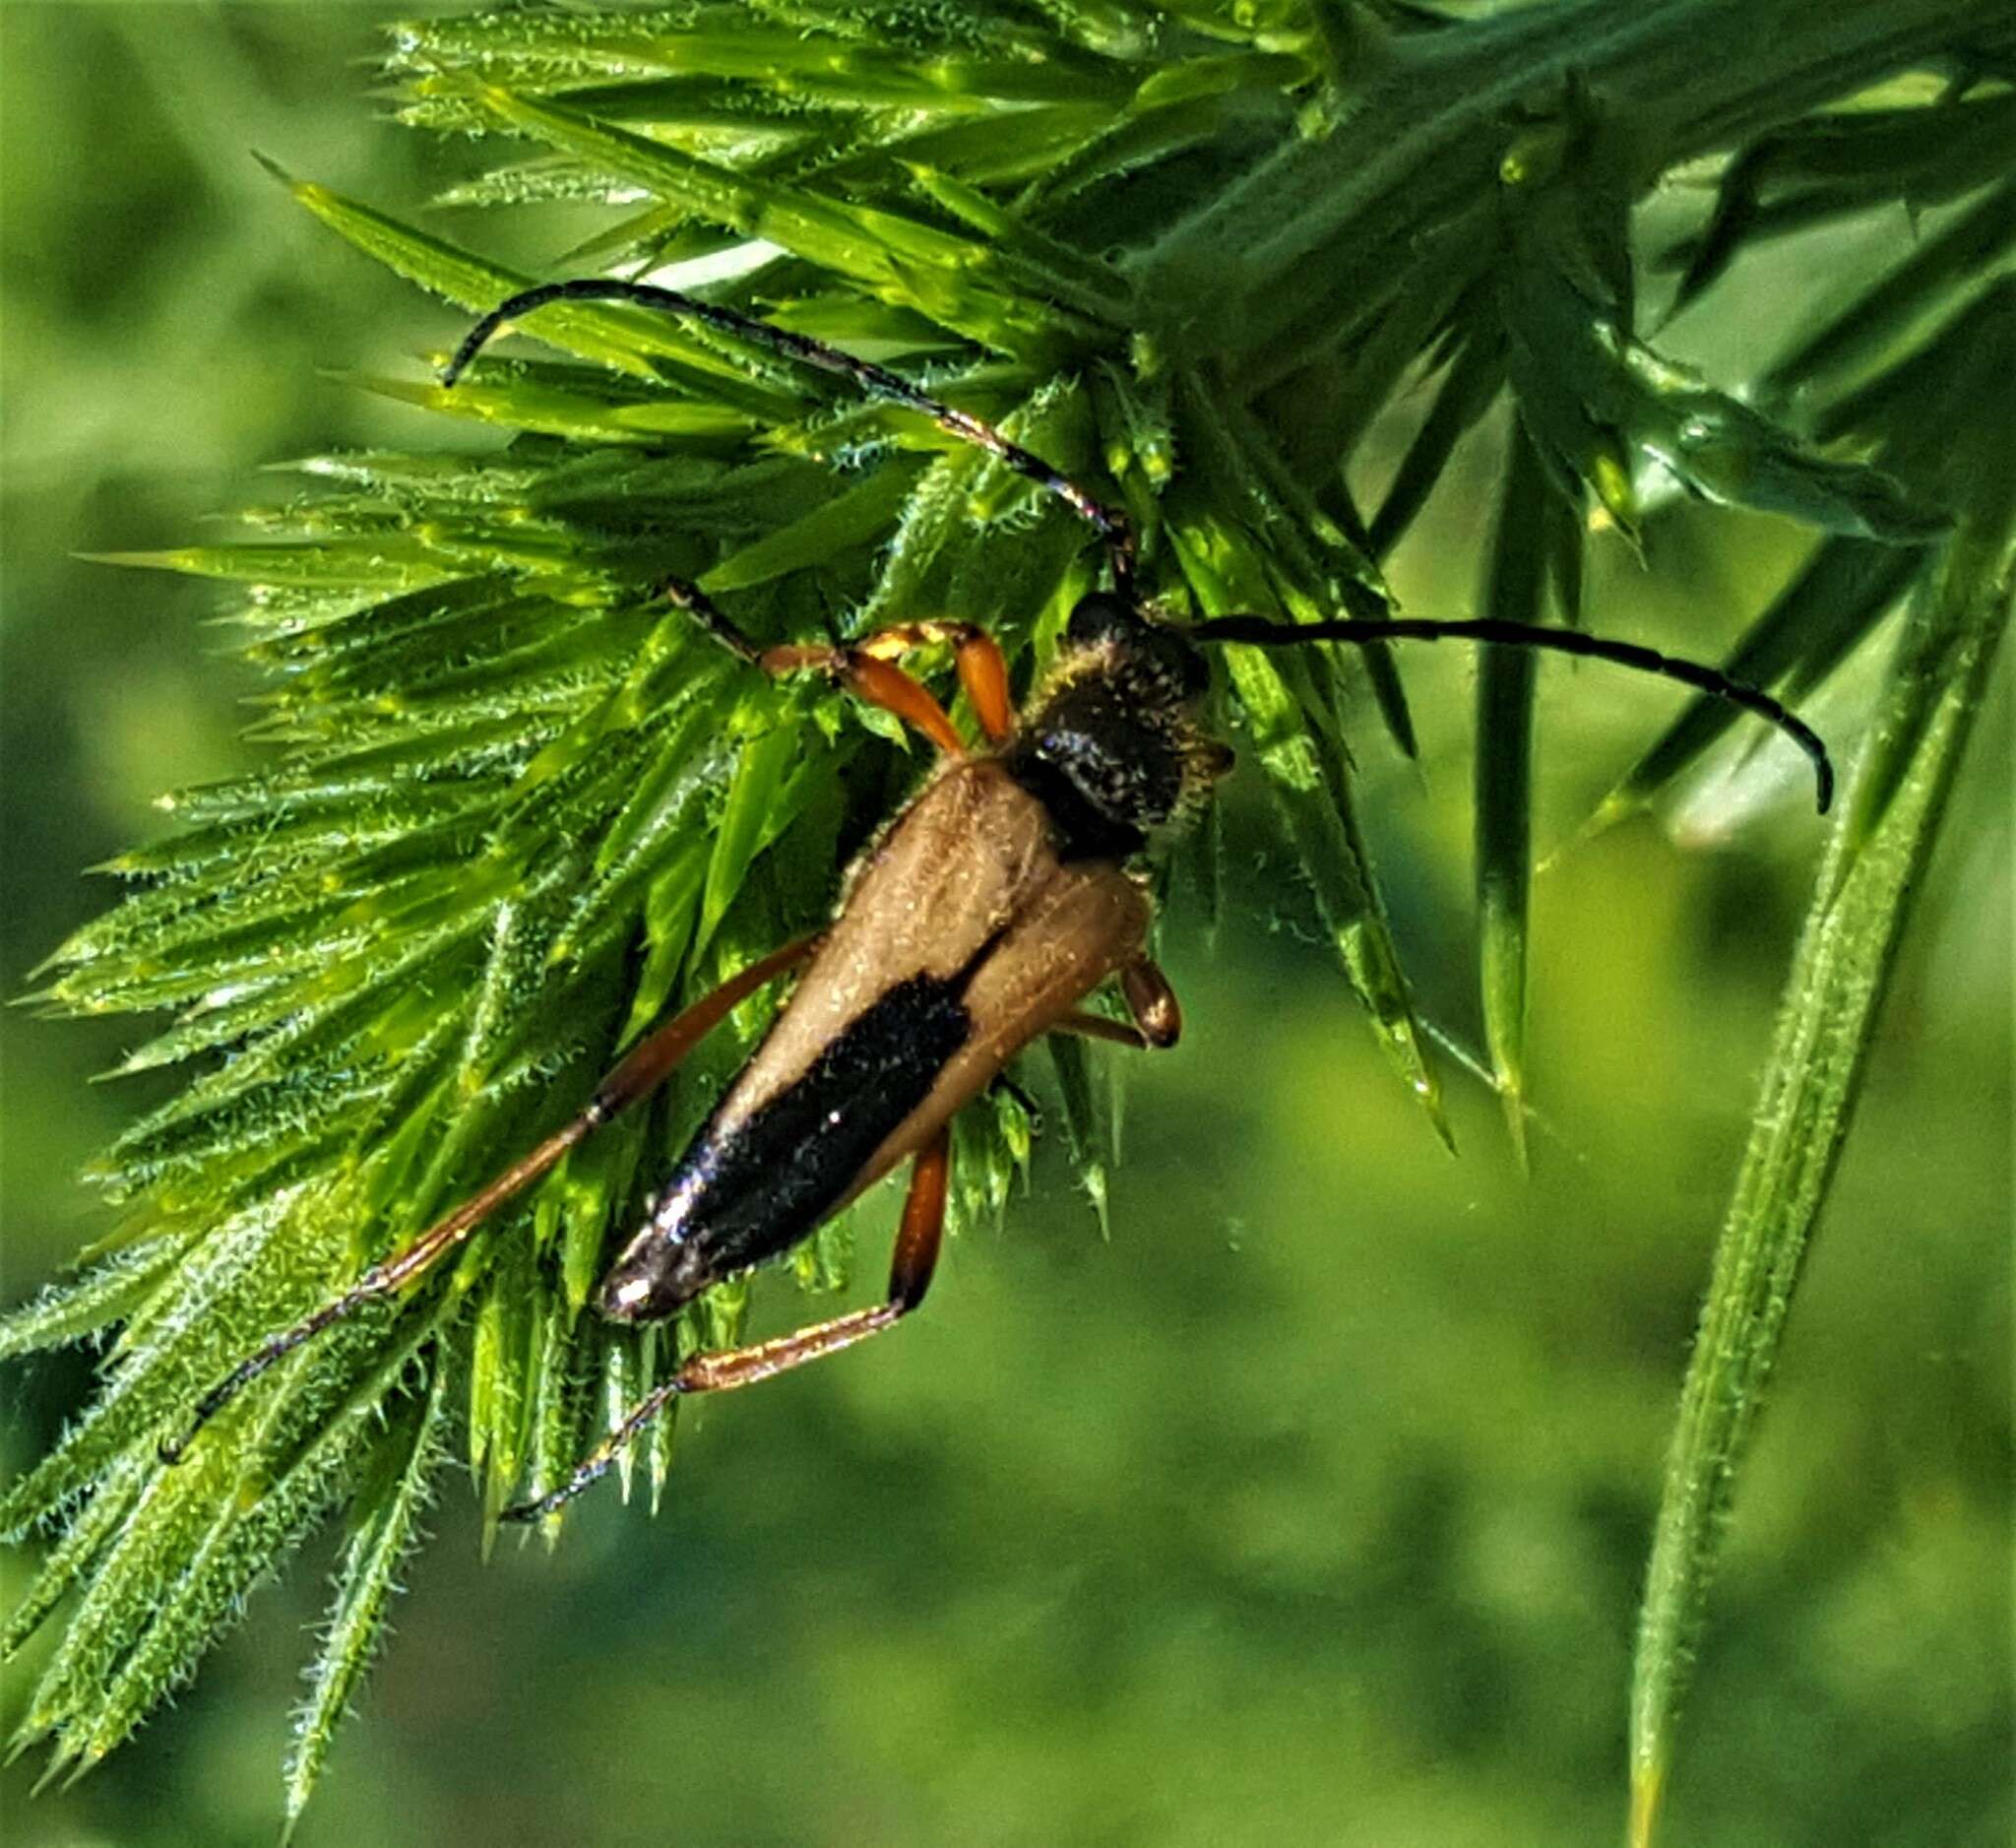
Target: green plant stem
[
  {"x": 1335, "y": 213},
  {"x": 1839, "y": 976}
]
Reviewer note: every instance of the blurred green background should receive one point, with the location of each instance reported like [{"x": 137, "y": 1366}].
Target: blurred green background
[{"x": 1313, "y": 1505}]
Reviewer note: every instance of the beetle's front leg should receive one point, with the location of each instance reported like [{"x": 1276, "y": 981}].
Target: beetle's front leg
[
  {"x": 868, "y": 668},
  {"x": 983, "y": 671}
]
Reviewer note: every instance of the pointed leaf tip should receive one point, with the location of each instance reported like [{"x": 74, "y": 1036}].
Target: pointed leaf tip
[
  {"x": 142, "y": 560},
  {"x": 1512, "y": 1096},
  {"x": 274, "y": 167},
  {"x": 1623, "y": 804}
]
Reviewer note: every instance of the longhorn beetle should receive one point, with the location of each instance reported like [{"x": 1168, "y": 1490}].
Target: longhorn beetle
[{"x": 990, "y": 909}]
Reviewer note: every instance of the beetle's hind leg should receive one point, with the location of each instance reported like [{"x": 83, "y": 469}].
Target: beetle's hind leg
[
  {"x": 636, "y": 1075},
  {"x": 917, "y": 1242},
  {"x": 867, "y": 667}
]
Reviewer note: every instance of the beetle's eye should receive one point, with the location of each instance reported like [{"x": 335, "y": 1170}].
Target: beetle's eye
[{"x": 1098, "y": 617}]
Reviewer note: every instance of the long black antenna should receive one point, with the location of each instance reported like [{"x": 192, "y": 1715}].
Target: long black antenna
[
  {"x": 1259, "y": 632},
  {"x": 1109, "y": 523}
]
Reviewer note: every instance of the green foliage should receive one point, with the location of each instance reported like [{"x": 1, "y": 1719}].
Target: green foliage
[
  {"x": 1958, "y": 608},
  {"x": 1189, "y": 252}
]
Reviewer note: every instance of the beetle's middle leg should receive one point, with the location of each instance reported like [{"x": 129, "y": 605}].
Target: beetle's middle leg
[
  {"x": 917, "y": 1242},
  {"x": 867, "y": 667},
  {"x": 1155, "y": 1020}
]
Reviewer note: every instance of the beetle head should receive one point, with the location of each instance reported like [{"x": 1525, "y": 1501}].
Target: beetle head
[{"x": 1112, "y": 747}]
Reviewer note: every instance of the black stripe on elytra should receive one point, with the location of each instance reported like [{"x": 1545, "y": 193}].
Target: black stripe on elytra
[{"x": 743, "y": 1195}]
